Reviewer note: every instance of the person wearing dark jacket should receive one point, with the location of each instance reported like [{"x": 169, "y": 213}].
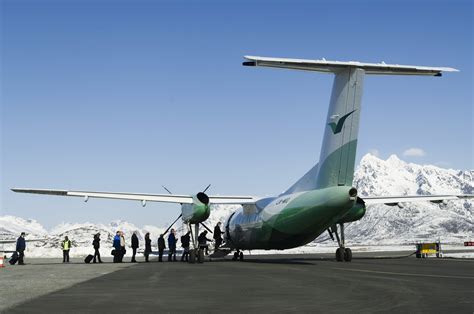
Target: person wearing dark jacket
[
  {"x": 185, "y": 239},
  {"x": 122, "y": 246},
  {"x": 66, "y": 245},
  {"x": 218, "y": 235},
  {"x": 172, "y": 246},
  {"x": 117, "y": 248},
  {"x": 202, "y": 239},
  {"x": 96, "y": 244},
  {"x": 161, "y": 248},
  {"x": 147, "y": 246},
  {"x": 20, "y": 248},
  {"x": 134, "y": 246}
]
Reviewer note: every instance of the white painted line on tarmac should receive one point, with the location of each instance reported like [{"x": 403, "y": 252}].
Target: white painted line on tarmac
[{"x": 402, "y": 274}]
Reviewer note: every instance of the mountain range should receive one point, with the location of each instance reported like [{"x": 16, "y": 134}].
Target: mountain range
[{"x": 382, "y": 225}]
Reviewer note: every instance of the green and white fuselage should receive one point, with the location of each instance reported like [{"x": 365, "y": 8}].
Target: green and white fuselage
[{"x": 291, "y": 220}]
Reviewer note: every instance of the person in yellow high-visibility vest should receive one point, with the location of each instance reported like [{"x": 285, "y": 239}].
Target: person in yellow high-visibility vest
[{"x": 66, "y": 244}]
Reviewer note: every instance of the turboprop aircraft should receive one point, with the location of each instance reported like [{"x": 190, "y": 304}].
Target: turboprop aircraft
[{"x": 321, "y": 200}]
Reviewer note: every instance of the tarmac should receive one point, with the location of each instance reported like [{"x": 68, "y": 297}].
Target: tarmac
[{"x": 372, "y": 282}]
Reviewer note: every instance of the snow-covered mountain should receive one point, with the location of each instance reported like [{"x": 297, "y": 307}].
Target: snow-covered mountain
[{"x": 451, "y": 223}]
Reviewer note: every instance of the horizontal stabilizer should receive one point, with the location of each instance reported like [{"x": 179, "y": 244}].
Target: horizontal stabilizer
[{"x": 336, "y": 66}]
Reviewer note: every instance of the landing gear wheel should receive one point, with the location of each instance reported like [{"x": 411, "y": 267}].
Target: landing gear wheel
[
  {"x": 347, "y": 255},
  {"x": 236, "y": 256},
  {"x": 192, "y": 256},
  {"x": 340, "y": 254},
  {"x": 200, "y": 256},
  {"x": 241, "y": 256}
]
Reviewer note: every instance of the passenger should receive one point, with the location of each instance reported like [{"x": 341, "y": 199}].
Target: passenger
[
  {"x": 134, "y": 246},
  {"x": 116, "y": 246},
  {"x": 66, "y": 245},
  {"x": 96, "y": 244},
  {"x": 122, "y": 246},
  {"x": 218, "y": 235},
  {"x": 185, "y": 239},
  {"x": 161, "y": 248},
  {"x": 172, "y": 246},
  {"x": 20, "y": 248},
  {"x": 202, "y": 239},
  {"x": 147, "y": 246}
]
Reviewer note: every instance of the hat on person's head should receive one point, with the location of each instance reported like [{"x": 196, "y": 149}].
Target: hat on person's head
[{"x": 23, "y": 233}]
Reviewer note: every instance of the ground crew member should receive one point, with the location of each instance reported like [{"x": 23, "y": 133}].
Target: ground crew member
[
  {"x": 66, "y": 245},
  {"x": 147, "y": 246},
  {"x": 20, "y": 248},
  {"x": 96, "y": 244},
  {"x": 218, "y": 235},
  {"x": 135, "y": 246},
  {"x": 172, "y": 246},
  {"x": 202, "y": 239},
  {"x": 116, "y": 245},
  {"x": 161, "y": 248},
  {"x": 185, "y": 239}
]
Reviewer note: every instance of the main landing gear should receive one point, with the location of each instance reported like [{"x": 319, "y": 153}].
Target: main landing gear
[
  {"x": 342, "y": 253},
  {"x": 238, "y": 256}
]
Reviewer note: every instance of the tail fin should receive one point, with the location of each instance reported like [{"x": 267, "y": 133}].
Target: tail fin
[{"x": 337, "y": 159}]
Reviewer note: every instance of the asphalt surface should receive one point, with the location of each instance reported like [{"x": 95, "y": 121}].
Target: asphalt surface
[
  {"x": 302, "y": 283},
  {"x": 44, "y": 275}
]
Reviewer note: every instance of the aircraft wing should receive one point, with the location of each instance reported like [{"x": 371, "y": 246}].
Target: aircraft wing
[
  {"x": 14, "y": 241},
  {"x": 395, "y": 200},
  {"x": 164, "y": 198},
  {"x": 7, "y": 241}
]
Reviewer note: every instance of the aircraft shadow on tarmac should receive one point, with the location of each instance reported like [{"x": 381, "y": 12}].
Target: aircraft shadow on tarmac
[{"x": 304, "y": 260}]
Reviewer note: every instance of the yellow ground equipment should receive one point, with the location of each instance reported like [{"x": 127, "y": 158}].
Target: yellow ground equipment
[{"x": 423, "y": 250}]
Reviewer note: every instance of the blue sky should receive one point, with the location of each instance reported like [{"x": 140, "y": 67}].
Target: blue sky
[{"x": 130, "y": 95}]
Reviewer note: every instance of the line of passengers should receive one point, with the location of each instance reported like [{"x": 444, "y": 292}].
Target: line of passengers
[{"x": 119, "y": 245}]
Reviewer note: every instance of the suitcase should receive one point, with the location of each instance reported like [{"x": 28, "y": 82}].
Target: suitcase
[
  {"x": 88, "y": 259},
  {"x": 13, "y": 258}
]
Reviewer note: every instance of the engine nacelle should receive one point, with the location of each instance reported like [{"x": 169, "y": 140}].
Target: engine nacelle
[
  {"x": 198, "y": 211},
  {"x": 355, "y": 213}
]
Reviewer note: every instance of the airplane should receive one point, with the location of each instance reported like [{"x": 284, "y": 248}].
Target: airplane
[{"x": 323, "y": 199}]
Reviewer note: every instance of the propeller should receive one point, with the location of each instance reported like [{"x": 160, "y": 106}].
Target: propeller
[
  {"x": 205, "y": 200},
  {"x": 207, "y": 228},
  {"x": 166, "y": 231},
  {"x": 207, "y": 187},
  {"x": 164, "y": 187}
]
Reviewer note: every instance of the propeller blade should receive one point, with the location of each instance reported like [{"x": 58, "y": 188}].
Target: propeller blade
[
  {"x": 206, "y": 188},
  {"x": 172, "y": 224},
  {"x": 206, "y": 227},
  {"x": 164, "y": 187}
]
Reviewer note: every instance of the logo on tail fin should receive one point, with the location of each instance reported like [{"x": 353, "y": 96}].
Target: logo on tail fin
[{"x": 337, "y": 127}]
